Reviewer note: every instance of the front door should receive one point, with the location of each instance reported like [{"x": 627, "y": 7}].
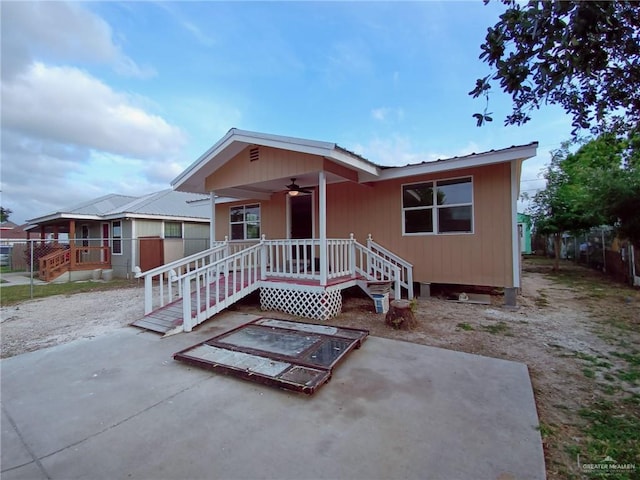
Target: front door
[
  {"x": 105, "y": 243},
  {"x": 301, "y": 223}
]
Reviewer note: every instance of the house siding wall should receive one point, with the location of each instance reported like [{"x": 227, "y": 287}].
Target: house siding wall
[
  {"x": 121, "y": 264},
  {"x": 196, "y": 237},
  {"x": 272, "y": 216},
  {"x": 481, "y": 258},
  {"x": 148, "y": 228},
  {"x": 272, "y": 164}
]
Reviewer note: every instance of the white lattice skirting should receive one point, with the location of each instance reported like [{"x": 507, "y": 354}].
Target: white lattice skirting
[{"x": 315, "y": 305}]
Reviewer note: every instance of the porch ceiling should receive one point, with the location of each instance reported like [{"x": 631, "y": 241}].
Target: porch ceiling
[{"x": 264, "y": 190}]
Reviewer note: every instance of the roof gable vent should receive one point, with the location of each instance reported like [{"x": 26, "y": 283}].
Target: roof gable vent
[{"x": 254, "y": 154}]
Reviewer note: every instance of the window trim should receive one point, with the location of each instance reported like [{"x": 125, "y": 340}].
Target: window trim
[
  {"x": 435, "y": 207},
  {"x": 244, "y": 221},
  {"x": 115, "y": 238},
  {"x": 164, "y": 230}
]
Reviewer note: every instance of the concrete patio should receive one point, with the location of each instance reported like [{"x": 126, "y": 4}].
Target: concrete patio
[{"x": 118, "y": 406}]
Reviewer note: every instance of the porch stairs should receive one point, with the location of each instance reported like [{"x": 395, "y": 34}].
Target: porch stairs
[{"x": 185, "y": 293}]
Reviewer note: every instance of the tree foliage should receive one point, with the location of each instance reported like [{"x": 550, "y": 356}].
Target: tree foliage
[
  {"x": 598, "y": 184},
  {"x": 581, "y": 55},
  {"x": 4, "y": 214}
]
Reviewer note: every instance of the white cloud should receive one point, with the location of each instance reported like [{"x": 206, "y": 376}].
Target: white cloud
[
  {"x": 398, "y": 150},
  {"x": 59, "y": 31},
  {"x": 384, "y": 114},
  {"x": 68, "y": 137},
  {"x": 72, "y": 107}
]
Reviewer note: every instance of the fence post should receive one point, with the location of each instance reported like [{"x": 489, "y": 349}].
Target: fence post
[{"x": 31, "y": 274}]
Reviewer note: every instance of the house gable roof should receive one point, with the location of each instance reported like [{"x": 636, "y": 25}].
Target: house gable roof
[
  {"x": 193, "y": 178},
  {"x": 166, "y": 204},
  {"x": 235, "y": 141}
]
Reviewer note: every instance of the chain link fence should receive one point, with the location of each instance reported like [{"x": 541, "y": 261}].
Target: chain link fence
[
  {"x": 599, "y": 249},
  {"x": 35, "y": 261}
]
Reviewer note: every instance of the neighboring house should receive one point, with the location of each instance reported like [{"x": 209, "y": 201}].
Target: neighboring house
[
  {"x": 524, "y": 232},
  {"x": 120, "y": 232}
]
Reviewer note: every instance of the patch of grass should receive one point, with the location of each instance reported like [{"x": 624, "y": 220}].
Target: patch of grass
[
  {"x": 541, "y": 300},
  {"x": 612, "y": 431},
  {"x": 609, "y": 389},
  {"x": 546, "y": 430},
  {"x": 589, "y": 373},
  {"x": 464, "y": 326},
  {"x": 496, "y": 328},
  {"x": 10, "y": 295},
  {"x": 631, "y": 376},
  {"x": 633, "y": 358}
]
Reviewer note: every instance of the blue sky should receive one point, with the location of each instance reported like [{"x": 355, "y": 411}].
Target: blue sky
[{"x": 118, "y": 97}]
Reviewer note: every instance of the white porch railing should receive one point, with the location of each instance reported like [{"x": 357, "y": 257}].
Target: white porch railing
[
  {"x": 374, "y": 267},
  {"x": 165, "y": 276},
  {"x": 406, "y": 269},
  {"x": 213, "y": 287},
  {"x": 211, "y": 280}
]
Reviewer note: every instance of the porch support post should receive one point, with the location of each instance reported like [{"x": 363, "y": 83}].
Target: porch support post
[
  {"x": 212, "y": 219},
  {"x": 324, "y": 260},
  {"x": 56, "y": 234},
  {"x": 72, "y": 244}
]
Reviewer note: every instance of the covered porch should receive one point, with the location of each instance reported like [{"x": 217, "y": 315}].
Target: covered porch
[{"x": 66, "y": 245}]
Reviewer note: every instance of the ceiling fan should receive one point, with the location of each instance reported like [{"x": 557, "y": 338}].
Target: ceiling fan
[{"x": 295, "y": 189}]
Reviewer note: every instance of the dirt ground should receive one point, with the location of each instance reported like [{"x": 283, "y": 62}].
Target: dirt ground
[{"x": 558, "y": 324}]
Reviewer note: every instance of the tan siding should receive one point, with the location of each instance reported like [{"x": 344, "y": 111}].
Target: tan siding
[
  {"x": 481, "y": 258},
  {"x": 273, "y": 216},
  {"x": 273, "y": 164},
  {"x": 148, "y": 228}
]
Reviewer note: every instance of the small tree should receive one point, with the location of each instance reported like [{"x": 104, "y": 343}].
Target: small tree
[
  {"x": 4, "y": 214},
  {"x": 563, "y": 206}
]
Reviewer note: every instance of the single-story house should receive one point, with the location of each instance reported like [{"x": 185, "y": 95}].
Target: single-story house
[
  {"x": 451, "y": 221},
  {"x": 120, "y": 232}
]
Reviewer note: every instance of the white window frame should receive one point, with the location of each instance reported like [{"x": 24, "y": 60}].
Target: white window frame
[
  {"x": 115, "y": 238},
  {"x": 164, "y": 229},
  {"x": 245, "y": 222},
  {"x": 435, "y": 207}
]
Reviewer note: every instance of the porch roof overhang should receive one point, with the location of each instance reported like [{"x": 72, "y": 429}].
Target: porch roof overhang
[{"x": 235, "y": 141}]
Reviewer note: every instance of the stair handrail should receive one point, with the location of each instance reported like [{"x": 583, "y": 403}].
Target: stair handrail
[
  {"x": 406, "y": 268},
  {"x": 369, "y": 272},
  {"x": 52, "y": 262},
  {"x": 166, "y": 275},
  {"x": 205, "y": 276}
]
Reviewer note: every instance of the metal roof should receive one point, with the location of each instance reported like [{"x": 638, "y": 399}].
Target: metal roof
[{"x": 164, "y": 204}]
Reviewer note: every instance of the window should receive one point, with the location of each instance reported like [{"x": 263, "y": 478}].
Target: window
[
  {"x": 85, "y": 235},
  {"x": 116, "y": 234},
  {"x": 244, "y": 222},
  {"x": 443, "y": 206},
  {"x": 172, "y": 230}
]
